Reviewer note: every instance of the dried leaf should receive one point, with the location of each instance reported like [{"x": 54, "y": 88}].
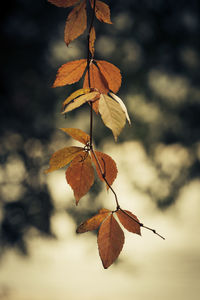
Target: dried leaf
[
  {"x": 93, "y": 96},
  {"x": 94, "y": 222},
  {"x": 80, "y": 175},
  {"x": 77, "y": 134},
  {"x": 121, "y": 103},
  {"x": 110, "y": 241},
  {"x": 64, "y": 3},
  {"x": 70, "y": 72},
  {"x": 63, "y": 157},
  {"x": 112, "y": 114},
  {"x": 102, "y": 11},
  {"x": 97, "y": 80},
  {"x": 76, "y": 23},
  {"x": 92, "y": 40},
  {"x": 111, "y": 73},
  {"x": 126, "y": 219},
  {"x": 75, "y": 95},
  {"x": 107, "y": 164}
]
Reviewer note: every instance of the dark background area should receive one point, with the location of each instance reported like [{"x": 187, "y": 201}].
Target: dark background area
[{"x": 166, "y": 36}]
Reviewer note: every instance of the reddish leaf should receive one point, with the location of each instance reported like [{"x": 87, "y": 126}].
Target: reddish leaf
[
  {"x": 102, "y": 11},
  {"x": 64, "y": 3},
  {"x": 77, "y": 134},
  {"x": 70, "y": 72},
  {"x": 94, "y": 222},
  {"x": 127, "y": 220},
  {"x": 63, "y": 157},
  {"x": 111, "y": 73},
  {"x": 107, "y": 164},
  {"x": 110, "y": 241},
  {"x": 80, "y": 175},
  {"x": 76, "y": 23}
]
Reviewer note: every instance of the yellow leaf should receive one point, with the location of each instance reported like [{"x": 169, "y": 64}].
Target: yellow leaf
[
  {"x": 75, "y": 95},
  {"x": 121, "y": 103},
  {"x": 63, "y": 157},
  {"x": 112, "y": 114},
  {"x": 102, "y": 11},
  {"x": 70, "y": 72},
  {"x": 76, "y": 23},
  {"x": 110, "y": 241},
  {"x": 64, "y": 3},
  {"x": 77, "y": 134},
  {"x": 94, "y": 222},
  {"x": 73, "y": 104},
  {"x": 111, "y": 73},
  {"x": 80, "y": 175}
]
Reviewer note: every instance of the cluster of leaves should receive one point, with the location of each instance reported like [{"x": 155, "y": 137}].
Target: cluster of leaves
[{"x": 102, "y": 81}]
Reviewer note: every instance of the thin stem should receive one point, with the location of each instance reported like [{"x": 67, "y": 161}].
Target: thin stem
[{"x": 142, "y": 225}]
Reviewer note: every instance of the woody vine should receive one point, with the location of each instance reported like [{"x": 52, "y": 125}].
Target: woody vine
[{"x": 102, "y": 81}]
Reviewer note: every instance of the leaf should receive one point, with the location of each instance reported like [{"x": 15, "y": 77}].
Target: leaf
[
  {"x": 63, "y": 157},
  {"x": 111, "y": 73},
  {"x": 64, "y": 3},
  {"x": 102, "y": 11},
  {"x": 110, "y": 241},
  {"x": 112, "y": 114},
  {"x": 75, "y": 95},
  {"x": 77, "y": 134},
  {"x": 108, "y": 166},
  {"x": 121, "y": 103},
  {"x": 70, "y": 72},
  {"x": 93, "y": 96},
  {"x": 126, "y": 219},
  {"x": 94, "y": 222},
  {"x": 76, "y": 23},
  {"x": 92, "y": 40},
  {"x": 97, "y": 80},
  {"x": 80, "y": 175}
]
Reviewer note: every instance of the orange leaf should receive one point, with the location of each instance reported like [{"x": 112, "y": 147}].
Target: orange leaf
[
  {"x": 92, "y": 40},
  {"x": 97, "y": 80},
  {"x": 80, "y": 175},
  {"x": 94, "y": 222},
  {"x": 111, "y": 73},
  {"x": 102, "y": 11},
  {"x": 110, "y": 241},
  {"x": 63, "y": 157},
  {"x": 126, "y": 219},
  {"x": 70, "y": 72},
  {"x": 76, "y": 23},
  {"x": 64, "y": 3},
  {"x": 77, "y": 134},
  {"x": 108, "y": 166}
]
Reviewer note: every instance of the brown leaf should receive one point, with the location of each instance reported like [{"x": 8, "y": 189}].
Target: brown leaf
[
  {"x": 126, "y": 219},
  {"x": 102, "y": 11},
  {"x": 111, "y": 73},
  {"x": 108, "y": 166},
  {"x": 94, "y": 222},
  {"x": 73, "y": 104},
  {"x": 112, "y": 114},
  {"x": 80, "y": 175},
  {"x": 123, "y": 106},
  {"x": 92, "y": 40},
  {"x": 64, "y": 3},
  {"x": 110, "y": 241},
  {"x": 76, "y": 23},
  {"x": 63, "y": 157},
  {"x": 75, "y": 95},
  {"x": 77, "y": 134},
  {"x": 70, "y": 72}
]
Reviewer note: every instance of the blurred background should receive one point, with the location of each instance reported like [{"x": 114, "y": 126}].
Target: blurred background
[{"x": 155, "y": 43}]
